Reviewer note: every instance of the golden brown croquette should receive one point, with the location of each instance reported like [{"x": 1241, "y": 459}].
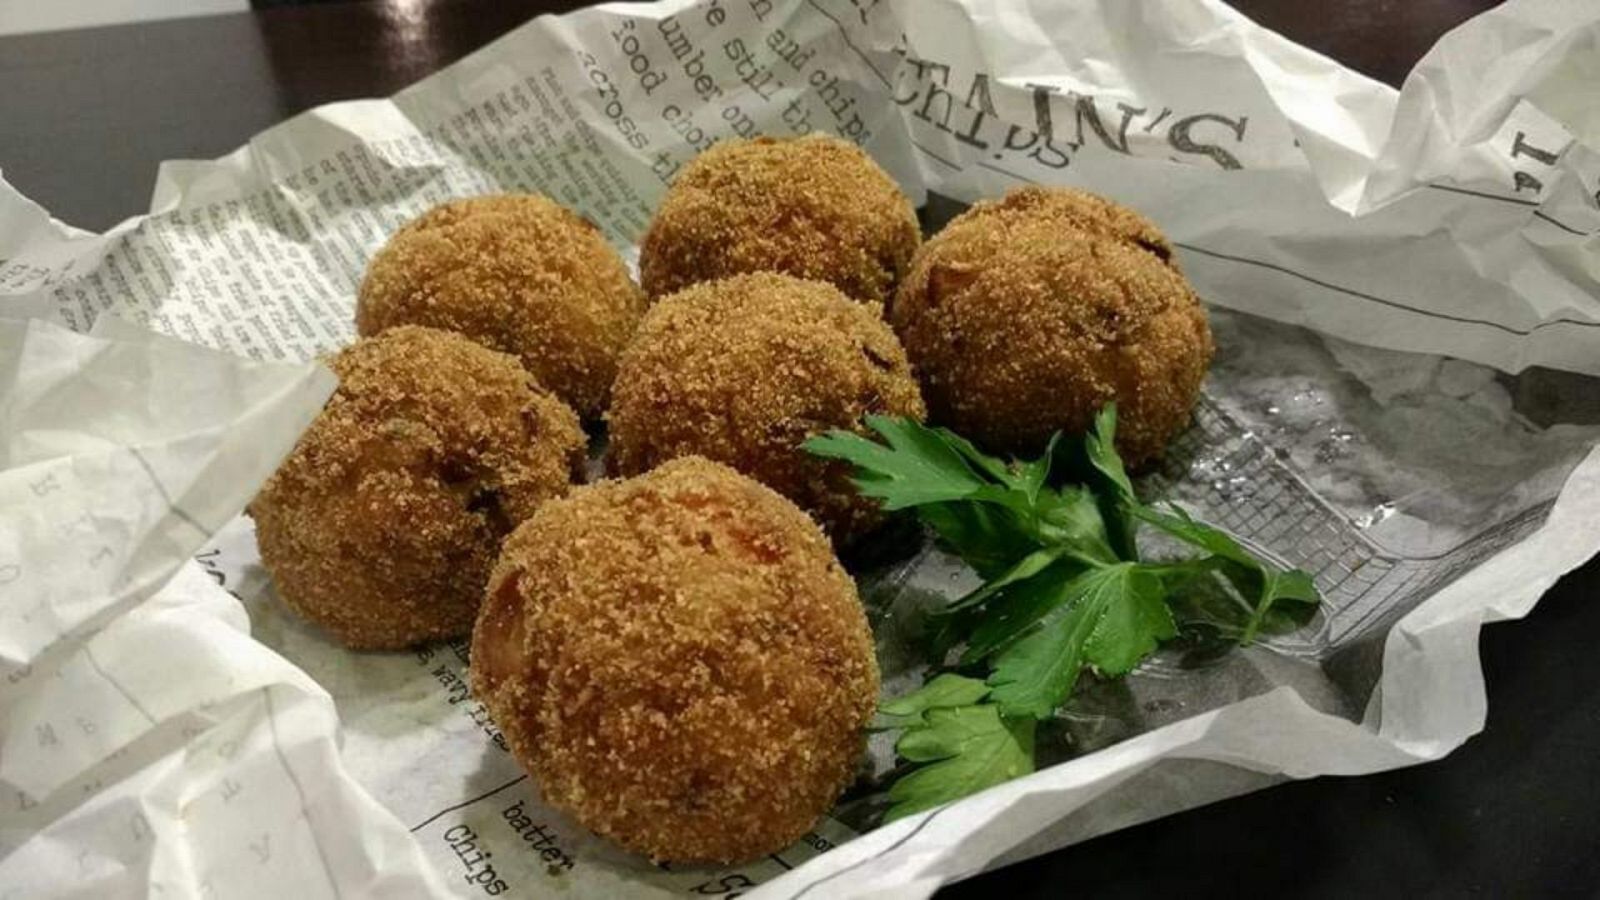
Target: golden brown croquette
[
  {"x": 814, "y": 207},
  {"x": 517, "y": 273},
  {"x": 680, "y": 661},
  {"x": 743, "y": 370},
  {"x": 383, "y": 523},
  {"x": 1025, "y": 315}
]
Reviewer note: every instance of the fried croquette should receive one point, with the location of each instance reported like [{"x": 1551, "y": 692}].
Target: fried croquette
[
  {"x": 744, "y": 369},
  {"x": 1025, "y": 315},
  {"x": 384, "y": 522},
  {"x": 517, "y": 273},
  {"x": 681, "y": 662},
  {"x": 814, "y": 207}
]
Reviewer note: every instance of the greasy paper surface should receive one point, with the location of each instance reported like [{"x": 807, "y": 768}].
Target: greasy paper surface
[{"x": 1428, "y": 239}]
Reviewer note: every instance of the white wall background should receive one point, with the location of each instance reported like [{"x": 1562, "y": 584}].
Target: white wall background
[{"x": 22, "y": 16}]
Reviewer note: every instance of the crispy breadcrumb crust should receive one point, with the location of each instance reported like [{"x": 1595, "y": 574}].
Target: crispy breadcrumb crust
[
  {"x": 743, "y": 370},
  {"x": 815, "y": 207},
  {"x": 518, "y": 273},
  {"x": 1027, "y": 314},
  {"x": 680, "y": 661},
  {"x": 383, "y": 523}
]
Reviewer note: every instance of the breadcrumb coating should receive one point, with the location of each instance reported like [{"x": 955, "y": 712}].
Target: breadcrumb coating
[
  {"x": 681, "y": 662},
  {"x": 815, "y": 207},
  {"x": 383, "y": 523},
  {"x": 744, "y": 369},
  {"x": 521, "y": 274},
  {"x": 1025, "y": 315}
]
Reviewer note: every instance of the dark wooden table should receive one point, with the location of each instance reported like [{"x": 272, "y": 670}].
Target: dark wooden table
[{"x": 85, "y": 117}]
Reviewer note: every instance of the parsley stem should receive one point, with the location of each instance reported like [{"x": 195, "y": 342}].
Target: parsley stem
[
  {"x": 1257, "y": 616},
  {"x": 1088, "y": 559}
]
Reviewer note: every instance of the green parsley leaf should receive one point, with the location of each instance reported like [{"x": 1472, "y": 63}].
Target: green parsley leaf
[
  {"x": 992, "y": 466},
  {"x": 1178, "y": 523},
  {"x": 1100, "y": 444},
  {"x": 1018, "y": 608},
  {"x": 1033, "y": 476},
  {"x": 1130, "y": 626},
  {"x": 1111, "y": 617},
  {"x": 1072, "y": 517},
  {"x": 1025, "y": 477},
  {"x": 968, "y": 748},
  {"x": 918, "y": 466},
  {"x": 1262, "y": 585},
  {"x": 1024, "y": 569},
  {"x": 948, "y": 689},
  {"x": 1094, "y": 462},
  {"x": 1294, "y": 586},
  {"x": 989, "y": 538}
]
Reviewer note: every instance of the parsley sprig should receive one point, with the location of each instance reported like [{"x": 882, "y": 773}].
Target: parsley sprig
[{"x": 1055, "y": 540}]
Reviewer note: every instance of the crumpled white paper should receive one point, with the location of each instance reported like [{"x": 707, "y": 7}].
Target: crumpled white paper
[
  {"x": 1457, "y": 218},
  {"x": 147, "y": 744}
]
